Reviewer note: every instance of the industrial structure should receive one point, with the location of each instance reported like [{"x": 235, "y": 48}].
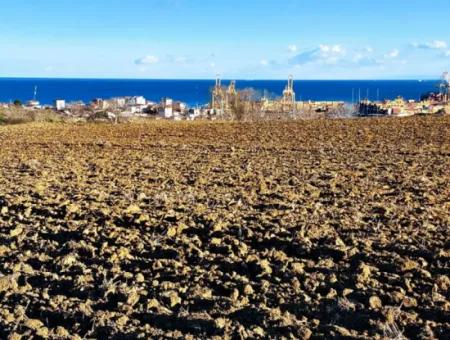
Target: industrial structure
[
  {"x": 288, "y": 100},
  {"x": 445, "y": 86},
  {"x": 228, "y": 101},
  {"x": 231, "y": 93},
  {"x": 217, "y": 96},
  {"x": 286, "y": 104},
  {"x": 34, "y": 103},
  {"x": 222, "y": 98}
]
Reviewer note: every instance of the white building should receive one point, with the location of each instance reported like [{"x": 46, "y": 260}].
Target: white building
[
  {"x": 179, "y": 106},
  {"x": 137, "y": 100},
  {"x": 167, "y": 102},
  {"x": 100, "y": 104},
  {"x": 168, "y": 112},
  {"x": 33, "y": 104},
  {"x": 167, "y": 108},
  {"x": 194, "y": 113},
  {"x": 60, "y": 104},
  {"x": 119, "y": 102},
  {"x": 135, "y": 109}
]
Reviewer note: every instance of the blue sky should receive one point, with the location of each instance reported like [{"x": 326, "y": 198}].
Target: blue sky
[{"x": 241, "y": 39}]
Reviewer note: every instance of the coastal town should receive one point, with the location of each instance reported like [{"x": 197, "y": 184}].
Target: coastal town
[
  {"x": 429, "y": 103},
  {"x": 230, "y": 103}
]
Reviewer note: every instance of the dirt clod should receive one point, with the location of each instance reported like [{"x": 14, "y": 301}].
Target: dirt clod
[{"x": 282, "y": 230}]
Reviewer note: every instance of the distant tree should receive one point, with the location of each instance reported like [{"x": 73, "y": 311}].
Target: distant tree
[
  {"x": 245, "y": 106},
  {"x": 17, "y": 102}
]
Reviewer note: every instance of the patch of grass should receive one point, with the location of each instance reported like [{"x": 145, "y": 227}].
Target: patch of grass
[{"x": 15, "y": 115}]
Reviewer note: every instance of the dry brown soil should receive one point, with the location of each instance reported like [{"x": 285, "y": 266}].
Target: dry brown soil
[{"x": 315, "y": 229}]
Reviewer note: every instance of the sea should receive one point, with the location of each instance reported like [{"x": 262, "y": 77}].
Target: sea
[{"x": 197, "y": 92}]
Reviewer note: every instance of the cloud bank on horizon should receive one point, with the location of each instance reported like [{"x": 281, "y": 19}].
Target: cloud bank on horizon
[{"x": 265, "y": 39}]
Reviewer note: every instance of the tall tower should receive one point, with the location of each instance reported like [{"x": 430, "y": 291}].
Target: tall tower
[
  {"x": 288, "y": 93},
  {"x": 445, "y": 86},
  {"x": 217, "y": 95},
  {"x": 288, "y": 102},
  {"x": 231, "y": 93}
]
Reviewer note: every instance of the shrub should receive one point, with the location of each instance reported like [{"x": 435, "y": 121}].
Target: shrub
[{"x": 17, "y": 115}]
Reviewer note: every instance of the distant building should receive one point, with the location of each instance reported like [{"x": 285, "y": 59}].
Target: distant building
[
  {"x": 166, "y": 108},
  {"x": 137, "y": 100},
  {"x": 194, "y": 113},
  {"x": 100, "y": 104},
  {"x": 34, "y": 104},
  {"x": 179, "y": 106},
  {"x": 168, "y": 112},
  {"x": 135, "y": 109},
  {"x": 60, "y": 104},
  {"x": 119, "y": 102}
]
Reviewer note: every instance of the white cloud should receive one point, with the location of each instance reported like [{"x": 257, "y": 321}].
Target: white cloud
[
  {"x": 328, "y": 51},
  {"x": 331, "y": 54},
  {"x": 305, "y": 57},
  {"x": 264, "y": 62},
  {"x": 433, "y": 45},
  {"x": 292, "y": 48},
  {"x": 147, "y": 60},
  {"x": 395, "y": 53},
  {"x": 447, "y": 53},
  {"x": 325, "y": 54},
  {"x": 362, "y": 57}
]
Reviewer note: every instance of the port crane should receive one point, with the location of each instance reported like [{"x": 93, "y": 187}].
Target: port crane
[
  {"x": 288, "y": 100},
  {"x": 217, "y": 95},
  {"x": 288, "y": 93},
  {"x": 223, "y": 97},
  {"x": 445, "y": 86}
]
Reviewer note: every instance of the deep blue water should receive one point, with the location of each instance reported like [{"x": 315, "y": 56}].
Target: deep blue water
[{"x": 196, "y": 92}]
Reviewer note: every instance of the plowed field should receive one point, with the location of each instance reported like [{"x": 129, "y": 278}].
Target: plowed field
[{"x": 326, "y": 228}]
